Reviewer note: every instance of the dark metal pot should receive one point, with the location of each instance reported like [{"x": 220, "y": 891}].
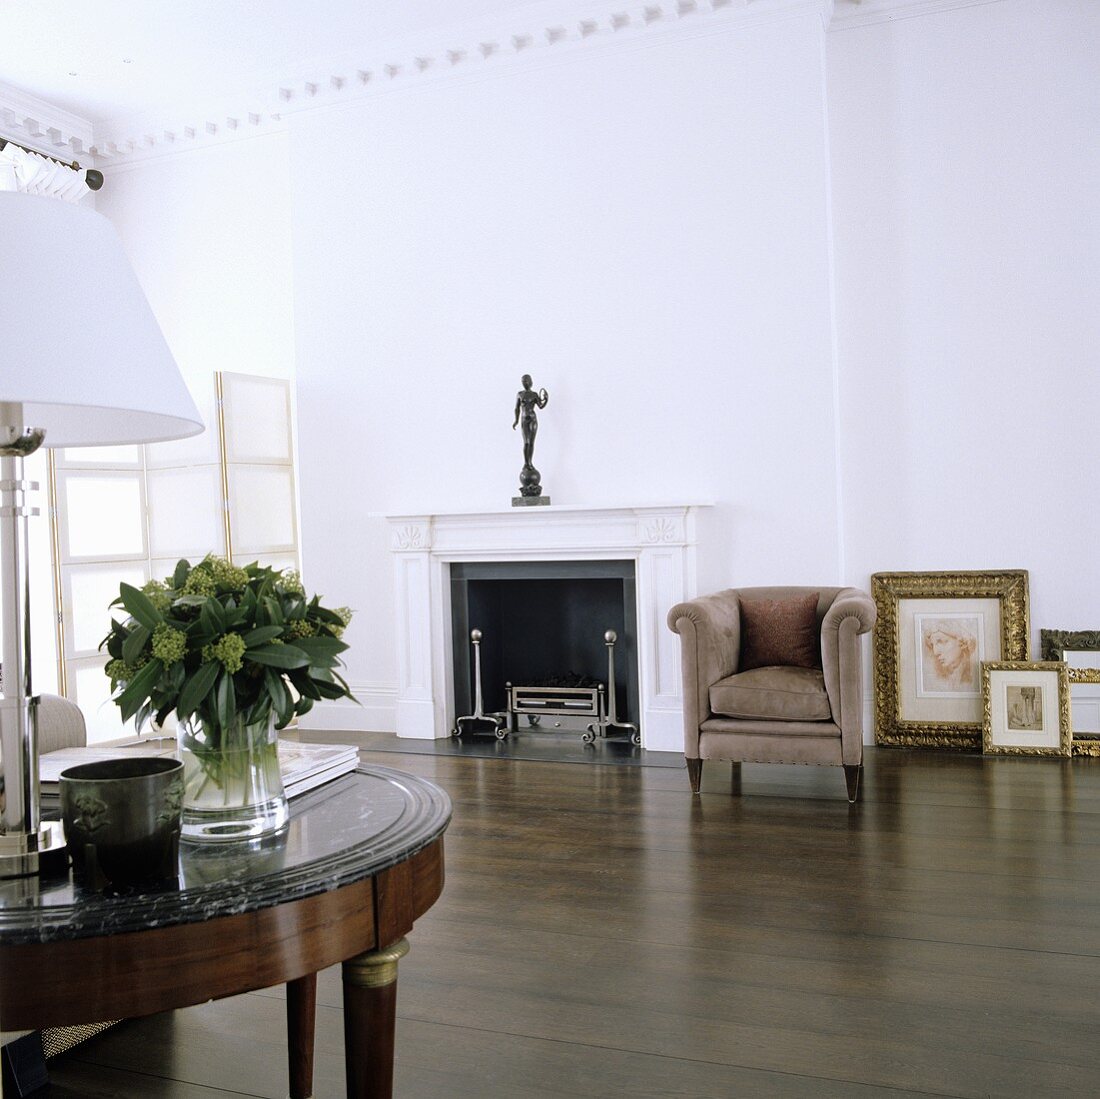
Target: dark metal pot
[{"x": 122, "y": 820}]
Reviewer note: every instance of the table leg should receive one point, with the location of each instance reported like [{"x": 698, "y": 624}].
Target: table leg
[
  {"x": 301, "y": 1017},
  {"x": 370, "y": 1012}
]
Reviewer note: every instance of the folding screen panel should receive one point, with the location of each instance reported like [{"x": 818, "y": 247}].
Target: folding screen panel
[
  {"x": 101, "y": 540},
  {"x": 258, "y": 451},
  {"x": 186, "y": 504},
  {"x": 128, "y": 514}
]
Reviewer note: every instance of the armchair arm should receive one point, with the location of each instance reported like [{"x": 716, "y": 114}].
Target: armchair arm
[
  {"x": 852, "y": 613},
  {"x": 710, "y": 643}
]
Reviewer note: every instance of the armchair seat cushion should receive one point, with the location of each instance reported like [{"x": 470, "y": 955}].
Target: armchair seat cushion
[{"x": 773, "y": 694}]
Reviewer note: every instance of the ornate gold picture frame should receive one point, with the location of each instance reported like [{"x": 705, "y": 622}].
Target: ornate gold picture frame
[
  {"x": 1084, "y": 682},
  {"x": 1054, "y": 644},
  {"x": 1026, "y": 708},
  {"x": 934, "y": 631}
]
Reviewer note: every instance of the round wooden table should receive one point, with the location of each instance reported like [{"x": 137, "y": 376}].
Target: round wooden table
[{"x": 361, "y": 859}]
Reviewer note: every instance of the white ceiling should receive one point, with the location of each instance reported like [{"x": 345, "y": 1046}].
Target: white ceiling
[{"x": 111, "y": 59}]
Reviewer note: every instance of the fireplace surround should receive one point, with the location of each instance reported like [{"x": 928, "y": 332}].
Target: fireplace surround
[{"x": 659, "y": 542}]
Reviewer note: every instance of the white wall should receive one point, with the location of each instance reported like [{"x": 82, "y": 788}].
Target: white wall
[
  {"x": 208, "y": 233},
  {"x": 646, "y": 232},
  {"x": 965, "y": 167},
  {"x": 642, "y": 232}
]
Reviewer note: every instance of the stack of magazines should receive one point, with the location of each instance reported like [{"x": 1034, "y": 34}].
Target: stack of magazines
[{"x": 304, "y": 766}]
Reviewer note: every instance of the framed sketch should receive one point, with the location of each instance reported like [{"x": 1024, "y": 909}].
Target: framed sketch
[
  {"x": 1080, "y": 651},
  {"x": 934, "y": 631},
  {"x": 1025, "y": 708}
]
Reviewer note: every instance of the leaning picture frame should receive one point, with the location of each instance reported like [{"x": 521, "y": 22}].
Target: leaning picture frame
[
  {"x": 1026, "y": 708},
  {"x": 1080, "y": 651},
  {"x": 1064, "y": 644},
  {"x": 934, "y": 630}
]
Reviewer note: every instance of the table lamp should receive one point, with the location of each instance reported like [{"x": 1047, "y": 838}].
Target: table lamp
[{"x": 82, "y": 363}]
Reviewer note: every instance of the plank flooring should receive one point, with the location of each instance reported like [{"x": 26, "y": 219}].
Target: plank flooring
[{"x": 602, "y": 933}]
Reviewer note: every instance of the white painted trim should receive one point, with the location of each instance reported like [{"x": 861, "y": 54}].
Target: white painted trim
[
  {"x": 376, "y": 712},
  {"x": 534, "y": 35},
  {"x": 546, "y": 35},
  {"x": 28, "y": 120}
]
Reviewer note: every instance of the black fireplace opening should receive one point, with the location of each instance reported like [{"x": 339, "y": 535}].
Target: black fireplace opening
[{"x": 543, "y": 622}]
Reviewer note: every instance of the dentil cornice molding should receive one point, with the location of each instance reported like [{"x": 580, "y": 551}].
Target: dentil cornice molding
[
  {"x": 28, "y": 120},
  {"x": 536, "y": 34}
]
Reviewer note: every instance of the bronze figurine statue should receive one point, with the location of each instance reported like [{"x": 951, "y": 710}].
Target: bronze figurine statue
[{"x": 527, "y": 402}]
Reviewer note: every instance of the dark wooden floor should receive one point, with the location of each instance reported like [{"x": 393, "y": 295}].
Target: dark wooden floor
[{"x": 603, "y": 933}]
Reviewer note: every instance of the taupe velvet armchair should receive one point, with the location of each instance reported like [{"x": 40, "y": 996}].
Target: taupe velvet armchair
[{"x": 777, "y": 713}]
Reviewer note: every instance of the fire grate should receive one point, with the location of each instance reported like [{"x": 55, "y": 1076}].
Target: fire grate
[{"x": 587, "y": 698}]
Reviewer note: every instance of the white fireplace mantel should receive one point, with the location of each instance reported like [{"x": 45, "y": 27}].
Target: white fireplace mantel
[{"x": 660, "y": 540}]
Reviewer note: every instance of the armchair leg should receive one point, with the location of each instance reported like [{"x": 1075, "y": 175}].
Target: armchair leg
[
  {"x": 852, "y": 775},
  {"x": 695, "y": 772}
]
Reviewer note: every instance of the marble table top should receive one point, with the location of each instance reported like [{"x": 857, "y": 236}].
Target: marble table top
[{"x": 342, "y": 832}]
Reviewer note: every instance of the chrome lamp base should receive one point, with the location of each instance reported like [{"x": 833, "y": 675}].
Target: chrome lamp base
[
  {"x": 22, "y": 854},
  {"x": 25, "y": 841}
]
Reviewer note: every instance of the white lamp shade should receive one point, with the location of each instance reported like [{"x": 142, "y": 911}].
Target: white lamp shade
[{"x": 80, "y": 349}]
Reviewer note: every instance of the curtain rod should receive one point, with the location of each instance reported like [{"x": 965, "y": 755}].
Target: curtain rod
[{"x": 94, "y": 178}]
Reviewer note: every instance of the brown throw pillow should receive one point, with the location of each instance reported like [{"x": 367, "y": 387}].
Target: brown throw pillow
[{"x": 780, "y": 631}]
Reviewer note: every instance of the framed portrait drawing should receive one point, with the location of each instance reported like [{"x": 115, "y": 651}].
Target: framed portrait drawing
[
  {"x": 1025, "y": 708},
  {"x": 934, "y": 631}
]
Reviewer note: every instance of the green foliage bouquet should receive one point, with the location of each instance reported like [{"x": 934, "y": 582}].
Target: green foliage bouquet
[{"x": 224, "y": 643}]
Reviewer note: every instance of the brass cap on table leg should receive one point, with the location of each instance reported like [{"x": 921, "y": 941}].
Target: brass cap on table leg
[{"x": 376, "y": 968}]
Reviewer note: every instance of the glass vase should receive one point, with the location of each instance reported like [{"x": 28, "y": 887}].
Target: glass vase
[{"x": 233, "y": 789}]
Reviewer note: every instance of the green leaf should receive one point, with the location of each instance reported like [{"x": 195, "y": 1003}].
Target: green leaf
[
  {"x": 138, "y": 689},
  {"x": 274, "y": 611},
  {"x": 303, "y": 705},
  {"x": 329, "y": 690},
  {"x": 132, "y": 646},
  {"x": 319, "y": 660},
  {"x": 189, "y": 600},
  {"x": 303, "y": 684},
  {"x": 198, "y": 635},
  {"x": 177, "y": 673},
  {"x": 143, "y": 715},
  {"x": 140, "y": 606},
  {"x": 261, "y": 635},
  {"x": 321, "y": 646},
  {"x": 226, "y": 700},
  {"x": 236, "y": 616},
  {"x": 280, "y": 696},
  {"x": 212, "y": 616},
  {"x": 114, "y": 640},
  {"x": 179, "y": 577},
  {"x": 197, "y": 688},
  {"x": 278, "y": 656}
]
